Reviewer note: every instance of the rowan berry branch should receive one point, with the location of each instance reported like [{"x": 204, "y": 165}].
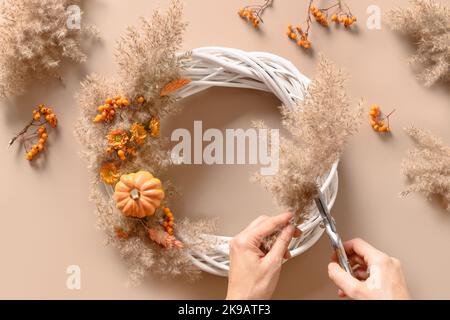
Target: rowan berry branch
[
  {"x": 253, "y": 13},
  {"x": 42, "y": 117},
  {"x": 321, "y": 15},
  {"x": 21, "y": 133}
]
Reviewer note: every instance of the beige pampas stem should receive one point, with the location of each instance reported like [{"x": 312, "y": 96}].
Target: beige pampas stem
[
  {"x": 427, "y": 167},
  {"x": 427, "y": 23},
  {"x": 319, "y": 129},
  {"x": 35, "y": 40}
]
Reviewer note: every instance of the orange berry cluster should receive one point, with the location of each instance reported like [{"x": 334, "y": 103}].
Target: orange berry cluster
[
  {"x": 108, "y": 110},
  {"x": 320, "y": 15},
  {"x": 168, "y": 221},
  {"x": 250, "y": 15},
  {"x": 302, "y": 39},
  {"x": 38, "y": 147},
  {"x": 47, "y": 114},
  {"x": 377, "y": 120},
  {"x": 345, "y": 19}
]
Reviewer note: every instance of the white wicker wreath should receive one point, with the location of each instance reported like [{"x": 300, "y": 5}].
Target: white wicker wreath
[{"x": 224, "y": 67}]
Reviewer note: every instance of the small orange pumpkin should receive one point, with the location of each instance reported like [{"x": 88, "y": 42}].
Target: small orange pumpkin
[{"x": 138, "y": 194}]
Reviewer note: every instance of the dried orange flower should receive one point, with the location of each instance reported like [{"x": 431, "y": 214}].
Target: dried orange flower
[
  {"x": 138, "y": 133},
  {"x": 117, "y": 139},
  {"x": 173, "y": 86},
  {"x": 154, "y": 127},
  {"x": 109, "y": 173}
]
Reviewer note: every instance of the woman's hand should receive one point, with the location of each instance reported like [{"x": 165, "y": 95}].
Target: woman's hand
[
  {"x": 253, "y": 274},
  {"x": 376, "y": 275}
]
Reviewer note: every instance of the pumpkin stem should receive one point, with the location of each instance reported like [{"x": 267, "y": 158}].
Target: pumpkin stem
[{"x": 135, "y": 194}]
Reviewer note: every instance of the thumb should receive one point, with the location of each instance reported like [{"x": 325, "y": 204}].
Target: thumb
[{"x": 343, "y": 280}]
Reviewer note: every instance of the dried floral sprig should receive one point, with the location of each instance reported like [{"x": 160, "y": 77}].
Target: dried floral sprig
[
  {"x": 338, "y": 12},
  {"x": 174, "y": 86},
  {"x": 427, "y": 23},
  {"x": 319, "y": 128},
  {"x": 35, "y": 39},
  {"x": 428, "y": 166},
  {"x": 148, "y": 62},
  {"x": 379, "y": 121},
  {"x": 125, "y": 143},
  {"x": 34, "y": 142},
  {"x": 254, "y": 13}
]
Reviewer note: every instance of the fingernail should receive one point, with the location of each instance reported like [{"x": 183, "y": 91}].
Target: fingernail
[{"x": 290, "y": 228}]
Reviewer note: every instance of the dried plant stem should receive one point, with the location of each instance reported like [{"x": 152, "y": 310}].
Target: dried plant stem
[{"x": 21, "y": 133}]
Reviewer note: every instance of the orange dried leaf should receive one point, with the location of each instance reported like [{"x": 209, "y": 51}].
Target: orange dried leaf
[
  {"x": 121, "y": 234},
  {"x": 174, "y": 86}
]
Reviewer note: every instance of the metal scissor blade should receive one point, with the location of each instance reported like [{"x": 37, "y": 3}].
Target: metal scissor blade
[{"x": 330, "y": 228}]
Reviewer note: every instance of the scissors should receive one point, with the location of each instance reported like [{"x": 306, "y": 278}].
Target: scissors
[{"x": 330, "y": 228}]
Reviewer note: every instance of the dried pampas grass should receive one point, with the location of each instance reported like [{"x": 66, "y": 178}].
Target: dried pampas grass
[
  {"x": 428, "y": 166},
  {"x": 34, "y": 40},
  {"x": 147, "y": 62},
  {"x": 319, "y": 130},
  {"x": 427, "y": 22}
]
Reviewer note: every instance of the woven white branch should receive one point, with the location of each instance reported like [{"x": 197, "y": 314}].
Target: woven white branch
[{"x": 224, "y": 67}]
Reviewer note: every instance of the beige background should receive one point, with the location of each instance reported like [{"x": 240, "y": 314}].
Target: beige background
[{"x": 47, "y": 222}]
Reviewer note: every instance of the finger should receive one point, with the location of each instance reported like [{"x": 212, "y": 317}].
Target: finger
[
  {"x": 297, "y": 233},
  {"x": 343, "y": 280},
  {"x": 256, "y": 222},
  {"x": 281, "y": 244},
  {"x": 270, "y": 225},
  {"x": 287, "y": 255},
  {"x": 363, "y": 249},
  {"x": 341, "y": 293},
  {"x": 356, "y": 260},
  {"x": 360, "y": 274}
]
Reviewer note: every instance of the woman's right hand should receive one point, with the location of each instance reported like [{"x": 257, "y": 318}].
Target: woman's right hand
[{"x": 375, "y": 275}]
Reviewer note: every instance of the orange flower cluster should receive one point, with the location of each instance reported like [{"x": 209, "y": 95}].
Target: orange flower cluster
[
  {"x": 109, "y": 173},
  {"x": 118, "y": 143},
  {"x": 154, "y": 127},
  {"x": 302, "y": 39},
  {"x": 168, "y": 221},
  {"x": 108, "y": 110},
  {"x": 125, "y": 143},
  {"x": 378, "y": 121}
]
